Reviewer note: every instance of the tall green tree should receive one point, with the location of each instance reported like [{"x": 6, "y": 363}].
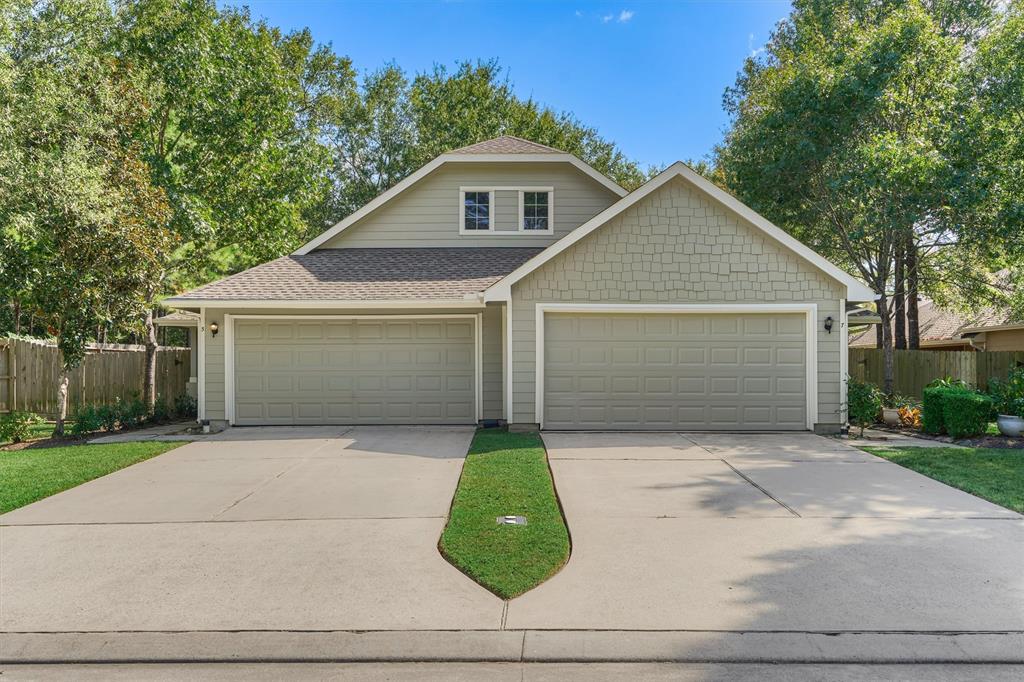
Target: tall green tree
[
  {"x": 77, "y": 197},
  {"x": 840, "y": 132}
]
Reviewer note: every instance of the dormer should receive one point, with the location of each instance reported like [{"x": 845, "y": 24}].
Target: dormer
[{"x": 501, "y": 192}]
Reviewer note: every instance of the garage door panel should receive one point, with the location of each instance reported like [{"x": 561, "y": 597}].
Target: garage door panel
[
  {"x": 715, "y": 372},
  {"x": 358, "y": 371}
]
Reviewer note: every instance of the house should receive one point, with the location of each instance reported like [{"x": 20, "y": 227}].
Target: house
[
  {"x": 948, "y": 330},
  {"x": 509, "y": 281}
]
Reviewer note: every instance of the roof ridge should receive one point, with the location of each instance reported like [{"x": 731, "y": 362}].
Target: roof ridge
[{"x": 495, "y": 145}]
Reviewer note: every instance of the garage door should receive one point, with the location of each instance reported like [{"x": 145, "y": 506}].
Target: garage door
[
  {"x": 349, "y": 371},
  {"x": 675, "y": 371}
]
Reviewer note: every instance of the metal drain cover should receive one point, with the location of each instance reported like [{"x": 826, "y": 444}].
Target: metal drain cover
[{"x": 512, "y": 520}]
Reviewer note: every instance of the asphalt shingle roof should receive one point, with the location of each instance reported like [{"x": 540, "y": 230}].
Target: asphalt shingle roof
[
  {"x": 937, "y": 324},
  {"x": 507, "y": 144},
  {"x": 369, "y": 275}
]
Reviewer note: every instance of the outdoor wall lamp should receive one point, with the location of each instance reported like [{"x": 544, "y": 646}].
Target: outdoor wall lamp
[
  {"x": 828, "y": 325},
  {"x": 214, "y": 327}
]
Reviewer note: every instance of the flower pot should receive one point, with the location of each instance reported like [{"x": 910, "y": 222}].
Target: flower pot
[
  {"x": 891, "y": 416},
  {"x": 1010, "y": 425}
]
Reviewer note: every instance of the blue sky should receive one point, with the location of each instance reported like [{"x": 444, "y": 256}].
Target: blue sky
[{"x": 649, "y": 76}]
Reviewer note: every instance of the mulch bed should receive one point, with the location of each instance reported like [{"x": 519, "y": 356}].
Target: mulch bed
[{"x": 980, "y": 442}]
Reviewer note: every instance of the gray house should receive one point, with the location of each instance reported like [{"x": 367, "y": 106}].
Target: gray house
[{"x": 512, "y": 281}]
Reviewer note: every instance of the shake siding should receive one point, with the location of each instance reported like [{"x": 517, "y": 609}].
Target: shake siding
[
  {"x": 676, "y": 246},
  {"x": 427, "y": 214},
  {"x": 493, "y": 405}
]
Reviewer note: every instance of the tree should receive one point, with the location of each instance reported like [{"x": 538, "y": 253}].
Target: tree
[
  {"x": 78, "y": 200},
  {"x": 232, "y": 134},
  {"x": 838, "y": 134}
]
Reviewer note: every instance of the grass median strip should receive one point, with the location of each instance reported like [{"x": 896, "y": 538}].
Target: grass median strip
[
  {"x": 506, "y": 474},
  {"x": 34, "y": 473},
  {"x": 993, "y": 474}
]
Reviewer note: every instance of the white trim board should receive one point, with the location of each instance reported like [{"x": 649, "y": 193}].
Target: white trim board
[
  {"x": 229, "y": 349},
  {"x": 809, "y": 310},
  {"x": 473, "y": 303},
  {"x": 201, "y": 367},
  {"x": 455, "y": 158},
  {"x": 856, "y": 290}
]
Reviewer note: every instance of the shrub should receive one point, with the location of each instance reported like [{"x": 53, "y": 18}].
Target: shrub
[
  {"x": 109, "y": 416},
  {"x": 161, "y": 412},
  {"x": 864, "y": 400},
  {"x": 910, "y": 415},
  {"x": 16, "y": 426},
  {"x": 966, "y": 413},
  {"x": 185, "y": 406},
  {"x": 1008, "y": 394},
  {"x": 86, "y": 420},
  {"x": 134, "y": 414},
  {"x": 933, "y": 419}
]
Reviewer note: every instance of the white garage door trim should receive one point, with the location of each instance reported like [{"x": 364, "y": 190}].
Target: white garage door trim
[
  {"x": 229, "y": 349},
  {"x": 810, "y": 311}
]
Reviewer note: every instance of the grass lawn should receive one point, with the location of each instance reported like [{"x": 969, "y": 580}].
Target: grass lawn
[
  {"x": 506, "y": 473},
  {"x": 34, "y": 473},
  {"x": 996, "y": 475}
]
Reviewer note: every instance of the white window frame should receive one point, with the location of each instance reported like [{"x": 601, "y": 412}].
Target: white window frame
[
  {"x": 809, "y": 310},
  {"x": 550, "y": 191},
  {"x": 462, "y": 210}
]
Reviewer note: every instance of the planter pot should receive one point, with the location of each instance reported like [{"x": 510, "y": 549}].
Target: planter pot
[
  {"x": 1010, "y": 426},
  {"x": 891, "y": 416}
]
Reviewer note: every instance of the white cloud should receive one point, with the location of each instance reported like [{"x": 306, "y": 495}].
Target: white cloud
[
  {"x": 750, "y": 46},
  {"x": 625, "y": 15},
  {"x": 606, "y": 18}
]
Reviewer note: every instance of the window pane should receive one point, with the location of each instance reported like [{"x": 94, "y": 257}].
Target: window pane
[
  {"x": 476, "y": 211},
  {"x": 535, "y": 210}
]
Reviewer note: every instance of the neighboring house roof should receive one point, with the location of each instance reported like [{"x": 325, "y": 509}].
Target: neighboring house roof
[
  {"x": 540, "y": 155},
  {"x": 177, "y": 319},
  {"x": 856, "y": 290},
  {"x": 507, "y": 144},
  {"x": 402, "y": 274},
  {"x": 937, "y": 324}
]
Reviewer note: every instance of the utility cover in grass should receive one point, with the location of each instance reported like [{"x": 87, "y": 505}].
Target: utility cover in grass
[{"x": 506, "y": 474}]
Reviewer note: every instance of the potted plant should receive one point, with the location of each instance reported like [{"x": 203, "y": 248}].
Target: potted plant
[
  {"x": 892, "y": 406},
  {"x": 1008, "y": 397},
  {"x": 1012, "y": 423}
]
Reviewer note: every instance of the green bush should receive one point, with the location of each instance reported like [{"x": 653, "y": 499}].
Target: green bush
[
  {"x": 864, "y": 400},
  {"x": 932, "y": 411},
  {"x": 16, "y": 426},
  {"x": 134, "y": 414},
  {"x": 966, "y": 414},
  {"x": 87, "y": 420},
  {"x": 1008, "y": 394},
  {"x": 109, "y": 416},
  {"x": 161, "y": 412},
  {"x": 185, "y": 407}
]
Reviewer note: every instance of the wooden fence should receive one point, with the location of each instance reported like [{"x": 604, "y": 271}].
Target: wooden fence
[
  {"x": 29, "y": 371},
  {"x": 915, "y": 369}
]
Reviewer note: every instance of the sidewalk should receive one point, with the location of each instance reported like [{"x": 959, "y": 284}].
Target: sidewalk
[{"x": 880, "y": 438}]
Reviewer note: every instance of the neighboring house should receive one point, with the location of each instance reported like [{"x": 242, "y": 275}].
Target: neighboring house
[
  {"x": 511, "y": 281},
  {"x": 947, "y": 330}
]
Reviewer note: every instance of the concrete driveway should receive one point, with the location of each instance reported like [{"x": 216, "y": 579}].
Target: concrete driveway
[
  {"x": 276, "y": 528},
  {"x": 769, "y": 532}
]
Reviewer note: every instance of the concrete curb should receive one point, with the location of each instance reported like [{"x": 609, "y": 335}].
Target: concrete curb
[{"x": 561, "y": 646}]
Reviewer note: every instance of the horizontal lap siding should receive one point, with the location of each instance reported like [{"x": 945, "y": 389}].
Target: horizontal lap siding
[
  {"x": 427, "y": 214},
  {"x": 676, "y": 246},
  {"x": 492, "y": 375}
]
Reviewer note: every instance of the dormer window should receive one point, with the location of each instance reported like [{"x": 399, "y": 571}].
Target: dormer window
[
  {"x": 476, "y": 210},
  {"x": 535, "y": 211}
]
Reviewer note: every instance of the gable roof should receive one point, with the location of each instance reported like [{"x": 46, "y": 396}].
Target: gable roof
[
  {"x": 540, "y": 155},
  {"x": 507, "y": 144},
  {"x": 856, "y": 290},
  {"x": 390, "y": 274}
]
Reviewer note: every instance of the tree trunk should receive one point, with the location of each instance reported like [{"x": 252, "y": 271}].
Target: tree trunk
[
  {"x": 16, "y": 303},
  {"x": 62, "y": 400},
  {"x": 878, "y": 333},
  {"x": 887, "y": 350},
  {"x": 913, "y": 323},
  {"x": 899, "y": 315},
  {"x": 149, "y": 381}
]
